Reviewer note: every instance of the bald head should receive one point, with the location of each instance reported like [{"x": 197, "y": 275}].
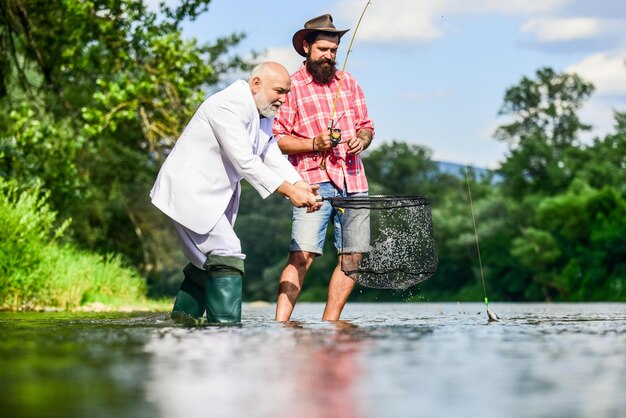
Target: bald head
[
  {"x": 269, "y": 84},
  {"x": 269, "y": 69}
]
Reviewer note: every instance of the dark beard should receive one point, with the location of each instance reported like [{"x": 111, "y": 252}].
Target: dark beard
[{"x": 321, "y": 73}]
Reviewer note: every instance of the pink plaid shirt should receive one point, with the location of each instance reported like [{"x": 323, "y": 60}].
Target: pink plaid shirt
[{"x": 306, "y": 113}]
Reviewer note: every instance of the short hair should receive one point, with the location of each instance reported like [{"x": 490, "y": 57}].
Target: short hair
[
  {"x": 259, "y": 70},
  {"x": 310, "y": 38}
]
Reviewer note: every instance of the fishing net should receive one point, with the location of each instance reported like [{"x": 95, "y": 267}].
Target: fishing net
[{"x": 387, "y": 241}]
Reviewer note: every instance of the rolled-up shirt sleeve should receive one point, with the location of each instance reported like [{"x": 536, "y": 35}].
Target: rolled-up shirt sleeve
[{"x": 362, "y": 120}]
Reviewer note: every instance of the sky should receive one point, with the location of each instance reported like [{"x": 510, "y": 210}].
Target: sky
[{"x": 435, "y": 72}]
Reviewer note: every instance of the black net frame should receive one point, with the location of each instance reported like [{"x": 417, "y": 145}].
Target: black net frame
[{"x": 387, "y": 241}]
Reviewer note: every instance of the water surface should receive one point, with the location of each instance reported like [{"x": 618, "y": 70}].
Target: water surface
[{"x": 383, "y": 360}]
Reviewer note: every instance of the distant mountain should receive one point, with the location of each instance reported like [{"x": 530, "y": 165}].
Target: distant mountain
[{"x": 459, "y": 170}]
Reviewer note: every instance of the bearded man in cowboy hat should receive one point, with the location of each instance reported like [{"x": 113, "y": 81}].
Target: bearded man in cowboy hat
[{"x": 301, "y": 128}]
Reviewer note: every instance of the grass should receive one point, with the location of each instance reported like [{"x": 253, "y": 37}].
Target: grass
[{"x": 37, "y": 272}]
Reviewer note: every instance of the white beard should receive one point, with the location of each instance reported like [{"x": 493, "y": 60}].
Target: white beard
[{"x": 266, "y": 108}]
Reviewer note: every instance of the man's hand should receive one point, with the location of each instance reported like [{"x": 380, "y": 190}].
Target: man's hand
[
  {"x": 301, "y": 195},
  {"x": 322, "y": 141},
  {"x": 360, "y": 143},
  {"x": 355, "y": 146},
  {"x": 313, "y": 189}
]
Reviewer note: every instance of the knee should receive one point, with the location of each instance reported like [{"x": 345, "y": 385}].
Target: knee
[{"x": 301, "y": 260}]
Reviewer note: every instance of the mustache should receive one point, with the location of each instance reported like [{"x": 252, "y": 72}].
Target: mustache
[{"x": 326, "y": 60}]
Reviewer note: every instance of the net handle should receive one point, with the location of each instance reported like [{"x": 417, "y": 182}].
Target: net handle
[
  {"x": 335, "y": 199},
  {"x": 328, "y": 199},
  {"x": 319, "y": 198}
]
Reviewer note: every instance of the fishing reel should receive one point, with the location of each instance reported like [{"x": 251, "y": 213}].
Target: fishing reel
[{"x": 335, "y": 136}]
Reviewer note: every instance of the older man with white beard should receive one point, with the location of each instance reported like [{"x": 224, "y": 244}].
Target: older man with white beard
[{"x": 229, "y": 138}]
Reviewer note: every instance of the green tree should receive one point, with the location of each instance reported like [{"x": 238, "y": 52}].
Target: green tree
[
  {"x": 543, "y": 137},
  {"x": 94, "y": 95},
  {"x": 574, "y": 250},
  {"x": 401, "y": 168},
  {"x": 604, "y": 162}
]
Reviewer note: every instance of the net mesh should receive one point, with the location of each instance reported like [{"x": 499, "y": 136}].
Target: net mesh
[{"x": 387, "y": 241}]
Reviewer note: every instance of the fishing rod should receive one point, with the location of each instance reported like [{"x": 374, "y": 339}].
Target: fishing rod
[
  {"x": 490, "y": 314},
  {"x": 335, "y": 133}
]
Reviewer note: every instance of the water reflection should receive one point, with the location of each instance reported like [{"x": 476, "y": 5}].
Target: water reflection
[
  {"x": 388, "y": 360},
  {"x": 329, "y": 371},
  {"x": 304, "y": 370}
]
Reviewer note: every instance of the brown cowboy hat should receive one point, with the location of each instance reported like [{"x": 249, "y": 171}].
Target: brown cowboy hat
[{"x": 323, "y": 23}]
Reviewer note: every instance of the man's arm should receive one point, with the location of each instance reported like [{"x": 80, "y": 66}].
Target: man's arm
[
  {"x": 291, "y": 145},
  {"x": 274, "y": 159},
  {"x": 364, "y": 126}
]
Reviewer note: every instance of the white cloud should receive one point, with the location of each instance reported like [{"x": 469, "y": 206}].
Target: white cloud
[
  {"x": 405, "y": 21},
  {"x": 606, "y": 71},
  {"x": 414, "y": 22},
  {"x": 285, "y": 56},
  {"x": 499, "y": 6},
  {"x": 559, "y": 29},
  {"x": 600, "y": 114}
]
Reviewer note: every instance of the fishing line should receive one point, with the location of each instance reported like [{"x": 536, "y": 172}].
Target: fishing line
[
  {"x": 490, "y": 314},
  {"x": 343, "y": 68},
  {"x": 335, "y": 133}
]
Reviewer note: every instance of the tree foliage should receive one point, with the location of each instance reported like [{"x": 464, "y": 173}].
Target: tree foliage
[
  {"x": 544, "y": 135},
  {"x": 566, "y": 192},
  {"x": 94, "y": 95}
]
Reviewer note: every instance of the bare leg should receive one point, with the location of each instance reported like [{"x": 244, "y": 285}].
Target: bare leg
[
  {"x": 290, "y": 284},
  {"x": 338, "y": 292}
]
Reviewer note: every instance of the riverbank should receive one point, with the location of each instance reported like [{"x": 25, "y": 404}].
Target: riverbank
[
  {"x": 164, "y": 305},
  {"x": 150, "y": 305}
]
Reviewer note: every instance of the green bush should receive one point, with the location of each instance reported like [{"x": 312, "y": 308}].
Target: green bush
[{"x": 37, "y": 271}]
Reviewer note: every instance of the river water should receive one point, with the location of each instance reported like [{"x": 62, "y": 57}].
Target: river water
[{"x": 383, "y": 360}]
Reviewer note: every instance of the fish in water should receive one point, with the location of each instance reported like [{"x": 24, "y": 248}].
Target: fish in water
[{"x": 492, "y": 316}]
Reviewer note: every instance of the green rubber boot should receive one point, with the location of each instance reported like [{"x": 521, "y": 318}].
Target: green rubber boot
[
  {"x": 190, "y": 298},
  {"x": 223, "y": 290}
]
